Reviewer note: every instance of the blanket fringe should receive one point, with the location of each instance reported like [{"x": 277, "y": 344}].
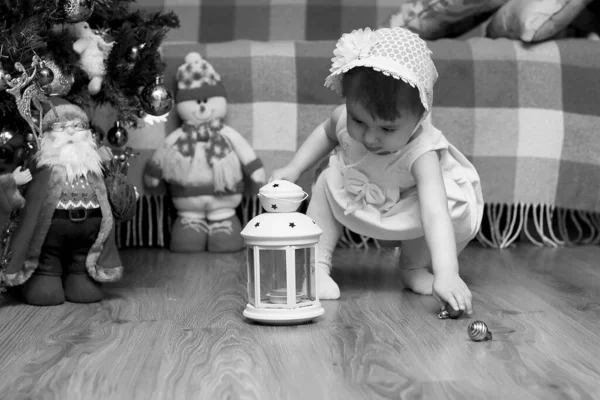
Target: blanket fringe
[
  {"x": 503, "y": 225},
  {"x": 541, "y": 224}
]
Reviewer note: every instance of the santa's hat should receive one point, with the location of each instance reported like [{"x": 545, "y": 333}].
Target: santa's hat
[
  {"x": 197, "y": 79},
  {"x": 61, "y": 111}
]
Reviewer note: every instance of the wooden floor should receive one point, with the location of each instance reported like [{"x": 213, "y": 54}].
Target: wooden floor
[{"x": 173, "y": 329}]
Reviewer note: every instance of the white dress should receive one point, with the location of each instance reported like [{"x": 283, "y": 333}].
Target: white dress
[{"x": 375, "y": 195}]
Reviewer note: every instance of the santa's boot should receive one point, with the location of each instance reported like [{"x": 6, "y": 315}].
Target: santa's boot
[
  {"x": 43, "y": 290},
  {"x": 189, "y": 233},
  {"x": 224, "y": 235},
  {"x": 81, "y": 288}
]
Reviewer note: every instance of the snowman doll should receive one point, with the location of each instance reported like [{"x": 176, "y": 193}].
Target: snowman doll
[{"x": 203, "y": 163}]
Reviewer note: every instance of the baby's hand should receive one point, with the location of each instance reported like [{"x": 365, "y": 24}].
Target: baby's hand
[
  {"x": 453, "y": 290},
  {"x": 21, "y": 177},
  {"x": 259, "y": 176},
  {"x": 286, "y": 173}
]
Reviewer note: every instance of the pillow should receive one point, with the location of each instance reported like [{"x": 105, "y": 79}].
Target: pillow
[
  {"x": 435, "y": 19},
  {"x": 534, "y": 20}
]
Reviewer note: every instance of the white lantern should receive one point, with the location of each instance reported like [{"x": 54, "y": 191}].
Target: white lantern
[{"x": 281, "y": 256}]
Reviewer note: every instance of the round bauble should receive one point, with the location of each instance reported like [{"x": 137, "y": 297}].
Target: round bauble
[
  {"x": 44, "y": 76},
  {"x": 117, "y": 135},
  {"x": 156, "y": 99},
  {"x": 62, "y": 83},
  {"x": 78, "y": 10}
]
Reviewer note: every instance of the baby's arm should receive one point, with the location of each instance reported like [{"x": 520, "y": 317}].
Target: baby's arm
[
  {"x": 318, "y": 144},
  {"x": 439, "y": 232}
]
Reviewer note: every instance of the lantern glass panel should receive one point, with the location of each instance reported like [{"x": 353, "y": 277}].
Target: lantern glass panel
[
  {"x": 305, "y": 277},
  {"x": 250, "y": 269},
  {"x": 273, "y": 276}
]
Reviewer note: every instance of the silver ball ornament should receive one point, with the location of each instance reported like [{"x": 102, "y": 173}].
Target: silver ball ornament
[
  {"x": 117, "y": 135},
  {"x": 478, "y": 331},
  {"x": 62, "y": 83},
  {"x": 156, "y": 99},
  {"x": 4, "y": 78},
  {"x": 44, "y": 76}
]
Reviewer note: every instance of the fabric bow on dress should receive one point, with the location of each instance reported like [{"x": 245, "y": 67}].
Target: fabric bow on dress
[{"x": 365, "y": 192}]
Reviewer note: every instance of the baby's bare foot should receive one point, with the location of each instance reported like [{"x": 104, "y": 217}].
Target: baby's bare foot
[
  {"x": 419, "y": 280},
  {"x": 328, "y": 289}
]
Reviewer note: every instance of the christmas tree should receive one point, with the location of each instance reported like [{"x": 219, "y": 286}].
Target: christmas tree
[
  {"x": 92, "y": 53},
  {"x": 89, "y": 52}
]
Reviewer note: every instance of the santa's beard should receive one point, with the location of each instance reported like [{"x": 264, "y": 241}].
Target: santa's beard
[{"x": 78, "y": 153}]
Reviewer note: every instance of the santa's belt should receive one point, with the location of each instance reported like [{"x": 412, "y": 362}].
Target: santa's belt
[{"x": 77, "y": 214}]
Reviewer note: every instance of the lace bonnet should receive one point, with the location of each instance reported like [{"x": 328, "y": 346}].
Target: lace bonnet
[{"x": 395, "y": 52}]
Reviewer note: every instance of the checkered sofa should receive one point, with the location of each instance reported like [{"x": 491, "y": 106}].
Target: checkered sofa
[{"x": 527, "y": 116}]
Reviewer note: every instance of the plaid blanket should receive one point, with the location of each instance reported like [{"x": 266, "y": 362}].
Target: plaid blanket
[
  {"x": 212, "y": 21},
  {"x": 526, "y": 116}
]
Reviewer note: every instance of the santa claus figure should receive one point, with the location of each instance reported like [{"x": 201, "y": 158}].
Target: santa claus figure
[{"x": 64, "y": 245}]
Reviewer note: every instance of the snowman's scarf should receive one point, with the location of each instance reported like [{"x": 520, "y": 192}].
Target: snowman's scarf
[{"x": 227, "y": 170}]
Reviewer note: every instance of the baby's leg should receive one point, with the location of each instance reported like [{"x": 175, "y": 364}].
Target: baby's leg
[
  {"x": 415, "y": 265},
  {"x": 320, "y": 212}
]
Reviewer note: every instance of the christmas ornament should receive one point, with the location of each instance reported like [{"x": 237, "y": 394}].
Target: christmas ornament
[
  {"x": 134, "y": 52},
  {"x": 156, "y": 99},
  {"x": 4, "y": 78},
  {"x": 44, "y": 75},
  {"x": 26, "y": 92},
  {"x": 6, "y": 133},
  {"x": 62, "y": 83},
  {"x": 78, "y": 10},
  {"x": 478, "y": 331},
  {"x": 449, "y": 312},
  {"x": 117, "y": 135}
]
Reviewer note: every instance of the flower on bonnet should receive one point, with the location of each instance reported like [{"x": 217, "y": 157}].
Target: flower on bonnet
[{"x": 352, "y": 46}]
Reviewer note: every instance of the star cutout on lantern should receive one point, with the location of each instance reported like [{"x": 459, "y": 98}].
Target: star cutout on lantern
[
  {"x": 276, "y": 185},
  {"x": 274, "y": 206},
  {"x": 256, "y": 224},
  {"x": 292, "y": 225}
]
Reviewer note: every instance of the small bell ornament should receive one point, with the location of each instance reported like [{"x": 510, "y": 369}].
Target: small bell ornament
[
  {"x": 117, "y": 135},
  {"x": 156, "y": 99},
  {"x": 450, "y": 312},
  {"x": 478, "y": 331},
  {"x": 78, "y": 10}
]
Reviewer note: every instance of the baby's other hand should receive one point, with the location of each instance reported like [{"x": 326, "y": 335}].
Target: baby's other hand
[
  {"x": 286, "y": 173},
  {"x": 454, "y": 291},
  {"x": 21, "y": 177},
  {"x": 259, "y": 176}
]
